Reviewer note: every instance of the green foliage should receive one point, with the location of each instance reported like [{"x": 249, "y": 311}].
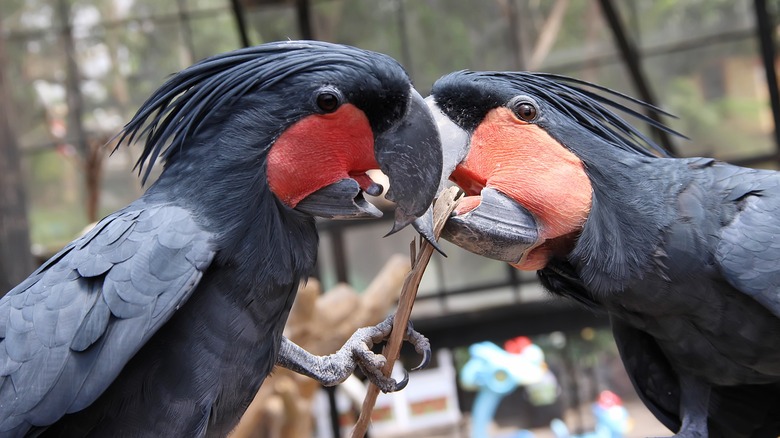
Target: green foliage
[
  {"x": 725, "y": 127},
  {"x": 146, "y": 40},
  {"x": 56, "y": 216}
]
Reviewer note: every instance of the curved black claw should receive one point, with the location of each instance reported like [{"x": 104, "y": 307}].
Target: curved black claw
[
  {"x": 402, "y": 384},
  {"x": 421, "y": 345},
  {"x": 371, "y": 363},
  {"x": 426, "y": 360},
  {"x": 385, "y": 384}
]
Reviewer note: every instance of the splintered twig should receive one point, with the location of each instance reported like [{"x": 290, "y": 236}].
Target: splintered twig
[{"x": 442, "y": 209}]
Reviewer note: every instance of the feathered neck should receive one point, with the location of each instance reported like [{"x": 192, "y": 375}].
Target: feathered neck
[
  {"x": 628, "y": 214},
  {"x": 221, "y": 177}
]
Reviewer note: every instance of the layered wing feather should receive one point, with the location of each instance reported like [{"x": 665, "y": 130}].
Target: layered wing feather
[
  {"x": 748, "y": 252},
  {"x": 67, "y": 331}
]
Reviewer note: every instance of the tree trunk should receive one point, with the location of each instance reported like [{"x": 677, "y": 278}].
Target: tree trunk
[
  {"x": 90, "y": 158},
  {"x": 15, "y": 259}
]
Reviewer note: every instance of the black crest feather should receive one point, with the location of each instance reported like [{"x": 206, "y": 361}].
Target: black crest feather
[
  {"x": 586, "y": 103},
  {"x": 173, "y": 113},
  {"x": 591, "y": 109}
]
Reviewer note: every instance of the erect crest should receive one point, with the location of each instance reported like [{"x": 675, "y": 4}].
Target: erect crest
[
  {"x": 173, "y": 113},
  {"x": 577, "y": 99}
]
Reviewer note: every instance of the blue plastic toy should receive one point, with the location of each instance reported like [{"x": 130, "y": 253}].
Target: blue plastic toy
[
  {"x": 495, "y": 372},
  {"x": 612, "y": 419}
]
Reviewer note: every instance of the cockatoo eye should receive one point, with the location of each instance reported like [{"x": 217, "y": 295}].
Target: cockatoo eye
[
  {"x": 328, "y": 101},
  {"x": 524, "y": 108}
]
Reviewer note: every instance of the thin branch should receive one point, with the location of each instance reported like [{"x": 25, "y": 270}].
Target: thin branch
[{"x": 442, "y": 209}]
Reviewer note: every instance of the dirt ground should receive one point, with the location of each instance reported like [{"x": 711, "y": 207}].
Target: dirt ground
[{"x": 644, "y": 425}]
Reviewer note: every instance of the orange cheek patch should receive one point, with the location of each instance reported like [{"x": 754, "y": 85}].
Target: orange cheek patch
[
  {"x": 319, "y": 150},
  {"x": 522, "y": 161}
]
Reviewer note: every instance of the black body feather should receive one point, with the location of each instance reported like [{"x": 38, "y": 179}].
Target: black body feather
[
  {"x": 165, "y": 319},
  {"x": 681, "y": 253}
]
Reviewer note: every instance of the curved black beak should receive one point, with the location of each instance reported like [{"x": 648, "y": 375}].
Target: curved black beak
[
  {"x": 340, "y": 200},
  {"x": 498, "y": 228},
  {"x": 410, "y": 155}
]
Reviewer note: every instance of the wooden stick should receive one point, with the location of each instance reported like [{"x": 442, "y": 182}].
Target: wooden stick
[{"x": 442, "y": 209}]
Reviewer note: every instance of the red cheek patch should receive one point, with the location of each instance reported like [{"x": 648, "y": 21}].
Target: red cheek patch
[
  {"x": 522, "y": 161},
  {"x": 319, "y": 150}
]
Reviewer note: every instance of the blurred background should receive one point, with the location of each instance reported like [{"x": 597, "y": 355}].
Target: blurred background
[{"x": 72, "y": 72}]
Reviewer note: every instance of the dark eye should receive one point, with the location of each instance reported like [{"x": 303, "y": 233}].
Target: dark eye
[
  {"x": 526, "y": 111},
  {"x": 328, "y": 101}
]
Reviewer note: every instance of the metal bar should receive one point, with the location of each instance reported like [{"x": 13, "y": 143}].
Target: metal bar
[
  {"x": 16, "y": 262},
  {"x": 403, "y": 35},
  {"x": 631, "y": 58},
  {"x": 572, "y": 368},
  {"x": 765, "y": 30},
  {"x": 499, "y": 323},
  {"x": 658, "y": 50},
  {"x": 76, "y": 135},
  {"x": 473, "y": 289},
  {"x": 515, "y": 38},
  {"x": 441, "y": 293},
  {"x": 303, "y": 12},
  {"x": 514, "y": 281},
  {"x": 755, "y": 160},
  {"x": 238, "y": 13},
  {"x": 16, "y": 35},
  {"x": 186, "y": 31},
  {"x": 339, "y": 255},
  {"x": 334, "y": 413}
]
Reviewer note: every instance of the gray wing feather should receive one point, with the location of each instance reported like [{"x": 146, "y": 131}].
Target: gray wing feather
[
  {"x": 93, "y": 325},
  {"x": 748, "y": 252},
  {"x": 67, "y": 330}
]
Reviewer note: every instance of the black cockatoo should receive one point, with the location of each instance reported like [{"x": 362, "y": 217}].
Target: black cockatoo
[
  {"x": 166, "y": 317},
  {"x": 681, "y": 253}
]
